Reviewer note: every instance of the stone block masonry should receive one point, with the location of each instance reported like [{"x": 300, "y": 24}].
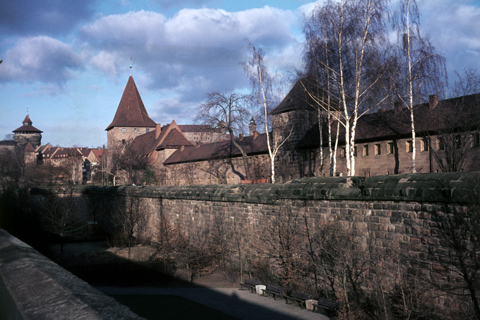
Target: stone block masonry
[
  {"x": 390, "y": 216},
  {"x": 33, "y": 287}
]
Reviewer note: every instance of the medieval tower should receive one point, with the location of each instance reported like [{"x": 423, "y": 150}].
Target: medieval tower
[
  {"x": 27, "y": 134},
  {"x": 130, "y": 121}
]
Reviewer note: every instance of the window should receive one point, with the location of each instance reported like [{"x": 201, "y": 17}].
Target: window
[
  {"x": 355, "y": 151},
  {"x": 148, "y": 130},
  {"x": 390, "y": 148},
  {"x": 475, "y": 140},
  {"x": 135, "y": 130},
  {"x": 424, "y": 145},
  {"x": 440, "y": 144},
  {"x": 124, "y": 130},
  {"x": 409, "y": 146},
  {"x": 342, "y": 153},
  {"x": 458, "y": 141},
  {"x": 365, "y": 150},
  {"x": 378, "y": 149}
]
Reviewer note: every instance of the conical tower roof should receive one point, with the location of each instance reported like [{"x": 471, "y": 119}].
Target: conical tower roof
[
  {"x": 131, "y": 112},
  {"x": 27, "y": 127}
]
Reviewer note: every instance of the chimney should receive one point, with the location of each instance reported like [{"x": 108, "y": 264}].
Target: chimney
[
  {"x": 240, "y": 137},
  {"x": 158, "y": 130},
  {"x": 255, "y": 134},
  {"x": 397, "y": 107},
  {"x": 252, "y": 127},
  {"x": 432, "y": 101}
]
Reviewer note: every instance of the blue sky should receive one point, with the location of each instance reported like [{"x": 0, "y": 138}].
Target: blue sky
[{"x": 66, "y": 63}]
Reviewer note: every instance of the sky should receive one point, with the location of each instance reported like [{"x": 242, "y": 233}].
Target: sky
[{"x": 66, "y": 63}]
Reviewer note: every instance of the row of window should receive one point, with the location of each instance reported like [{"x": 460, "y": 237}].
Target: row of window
[
  {"x": 440, "y": 145},
  {"x": 135, "y": 130}
]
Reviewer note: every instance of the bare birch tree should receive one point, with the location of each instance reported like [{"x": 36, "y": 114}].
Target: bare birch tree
[
  {"x": 418, "y": 67},
  {"x": 352, "y": 33},
  {"x": 264, "y": 93},
  {"x": 228, "y": 110}
]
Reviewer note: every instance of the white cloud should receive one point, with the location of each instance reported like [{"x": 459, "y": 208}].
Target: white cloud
[
  {"x": 454, "y": 28},
  {"x": 39, "y": 59},
  {"x": 196, "y": 51}
]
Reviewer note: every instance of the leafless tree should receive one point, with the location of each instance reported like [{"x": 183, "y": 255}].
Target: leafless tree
[
  {"x": 458, "y": 250},
  {"x": 350, "y": 35},
  {"x": 467, "y": 82},
  {"x": 11, "y": 168},
  {"x": 458, "y": 126},
  {"x": 230, "y": 111},
  {"x": 419, "y": 70},
  {"x": 193, "y": 249},
  {"x": 338, "y": 261},
  {"x": 62, "y": 216},
  {"x": 128, "y": 159},
  {"x": 264, "y": 92},
  {"x": 284, "y": 236},
  {"x": 129, "y": 222},
  {"x": 218, "y": 169}
]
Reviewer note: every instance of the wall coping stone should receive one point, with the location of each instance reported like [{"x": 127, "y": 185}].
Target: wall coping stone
[
  {"x": 34, "y": 287},
  {"x": 456, "y": 187}
]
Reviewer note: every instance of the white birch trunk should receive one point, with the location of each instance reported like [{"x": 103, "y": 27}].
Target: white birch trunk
[{"x": 410, "y": 83}]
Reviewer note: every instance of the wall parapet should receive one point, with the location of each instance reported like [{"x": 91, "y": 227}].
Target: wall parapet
[
  {"x": 34, "y": 287},
  {"x": 457, "y": 187}
]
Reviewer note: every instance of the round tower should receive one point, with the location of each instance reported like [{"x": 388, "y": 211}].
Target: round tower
[{"x": 27, "y": 133}]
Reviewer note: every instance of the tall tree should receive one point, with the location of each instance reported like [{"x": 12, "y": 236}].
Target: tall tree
[
  {"x": 467, "y": 82},
  {"x": 419, "y": 70},
  {"x": 229, "y": 111},
  {"x": 318, "y": 53},
  {"x": 129, "y": 161},
  {"x": 353, "y": 35},
  {"x": 264, "y": 92}
]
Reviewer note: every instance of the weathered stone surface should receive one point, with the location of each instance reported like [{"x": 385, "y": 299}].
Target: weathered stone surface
[
  {"x": 33, "y": 287},
  {"x": 390, "y": 214}
]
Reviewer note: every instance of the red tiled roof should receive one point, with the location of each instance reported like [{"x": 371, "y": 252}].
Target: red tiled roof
[
  {"x": 131, "y": 112},
  {"x": 27, "y": 126},
  {"x": 174, "y": 139},
  {"x": 85, "y": 151},
  {"x": 98, "y": 153},
  {"x": 170, "y": 137},
  {"x": 66, "y": 153},
  {"x": 29, "y": 148},
  {"x": 27, "y": 120},
  {"x": 297, "y": 97},
  {"x": 221, "y": 149},
  {"x": 48, "y": 152}
]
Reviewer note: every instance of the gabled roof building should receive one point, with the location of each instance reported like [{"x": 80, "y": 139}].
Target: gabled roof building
[{"x": 447, "y": 139}]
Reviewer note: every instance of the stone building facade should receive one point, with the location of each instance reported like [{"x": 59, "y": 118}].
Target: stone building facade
[
  {"x": 180, "y": 154},
  {"x": 447, "y": 139}
]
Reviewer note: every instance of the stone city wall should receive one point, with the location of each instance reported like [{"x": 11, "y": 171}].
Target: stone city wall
[{"x": 390, "y": 216}]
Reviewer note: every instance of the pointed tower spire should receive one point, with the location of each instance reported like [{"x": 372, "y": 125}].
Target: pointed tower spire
[{"x": 131, "y": 112}]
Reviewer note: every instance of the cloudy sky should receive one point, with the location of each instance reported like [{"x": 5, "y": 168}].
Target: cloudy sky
[{"x": 66, "y": 63}]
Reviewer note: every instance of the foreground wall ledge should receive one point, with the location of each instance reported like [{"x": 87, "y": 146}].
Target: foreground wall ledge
[
  {"x": 457, "y": 187},
  {"x": 34, "y": 287}
]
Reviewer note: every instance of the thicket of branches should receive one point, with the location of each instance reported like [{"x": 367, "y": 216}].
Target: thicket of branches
[{"x": 325, "y": 258}]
